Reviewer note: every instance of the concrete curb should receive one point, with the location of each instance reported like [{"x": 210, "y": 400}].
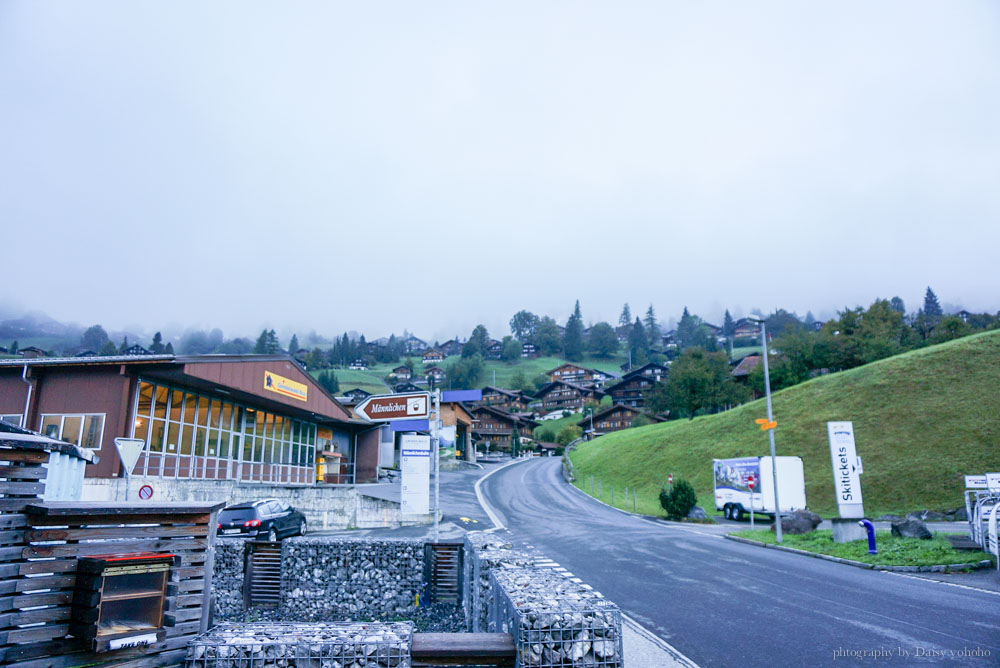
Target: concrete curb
[{"x": 940, "y": 568}]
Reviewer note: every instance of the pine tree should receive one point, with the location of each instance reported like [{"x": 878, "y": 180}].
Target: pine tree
[
  {"x": 260, "y": 348},
  {"x": 157, "y": 347},
  {"x": 625, "y": 319},
  {"x": 728, "y": 324},
  {"x": 13, "y": 347},
  {"x": 573, "y": 338},
  {"x": 896, "y": 304},
  {"x": 293, "y": 345},
  {"x": 932, "y": 309},
  {"x": 169, "y": 350},
  {"x": 637, "y": 342},
  {"x": 124, "y": 345},
  {"x": 652, "y": 329}
]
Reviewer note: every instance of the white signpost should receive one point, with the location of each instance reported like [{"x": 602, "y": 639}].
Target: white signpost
[
  {"x": 415, "y": 465},
  {"x": 129, "y": 450},
  {"x": 846, "y": 473},
  {"x": 993, "y": 482}
]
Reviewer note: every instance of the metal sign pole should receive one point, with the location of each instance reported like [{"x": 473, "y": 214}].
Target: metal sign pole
[
  {"x": 770, "y": 435},
  {"x": 437, "y": 460}
]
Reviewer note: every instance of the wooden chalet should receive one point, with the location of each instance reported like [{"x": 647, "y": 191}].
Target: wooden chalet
[
  {"x": 432, "y": 356},
  {"x": 358, "y": 365},
  {"x": 31, "y": 352},
  {"x": 529, "y": 350},
  {"x": 509, "y": 400},
  {"x": 451, "y": 347},
  {"x": 495, "y": 426},
  {"x": 611, "y": 419},
  {"x": 494, "y": 349},
  {"x": 401, "y": 373},
  {"x": 136, "y": 350},
  {"x": 357, "y": 394},
  {"x": 743, "y": 368},
  {"x": 574, "y": 373},
  {"x": 560, "y": 395},
  {"x": 632, "y": 390},
  {"x": 402, "y": 388},
  {"x": 746, "y": 329},
  {"x": 434, "y": 373},
  {"x": 652, "y": 370},
  {"x": 412, "y": 345}
]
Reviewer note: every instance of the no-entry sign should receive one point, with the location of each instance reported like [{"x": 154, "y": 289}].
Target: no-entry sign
[
  {"x": 388, "y": 407},
  {"x": 145, "y": 492}
]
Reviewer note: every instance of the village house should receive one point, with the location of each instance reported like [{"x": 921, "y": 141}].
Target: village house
[
  {"x": 494, "y": 350},
  {"x": 432, "y": 356},
  {"x": 510, "y": 400},
  {"x": 611, "y": 419},
  {"x": 358, "y": 365},
  {"x": 434, "y": 373},
  {"x": 412, "y": 345},
  {"x": 401, "y": 373},
  {"x": 574, "y": 373},
  {"x": 495, "y": 426},
  {"x": 746, "y": 329},
  {"x": 528, "y": 350},
  {"x": 452, "y": 347},
  {"x": 357, "y": 394},
  {"x": 403, "y": 388},
  {"x": 560, "y": 395}
]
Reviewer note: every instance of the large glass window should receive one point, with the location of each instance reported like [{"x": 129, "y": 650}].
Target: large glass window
[{"x": 84, "y": 430}]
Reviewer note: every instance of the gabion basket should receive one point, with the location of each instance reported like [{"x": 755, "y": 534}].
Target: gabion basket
[
  {"x": 554, "y": 621},
  {"x": 315, "y": 645},
  {"x": 483, "y": 560}
]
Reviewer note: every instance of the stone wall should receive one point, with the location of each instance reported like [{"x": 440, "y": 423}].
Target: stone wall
[
  {"x": 483, "y": 553},
  {"x": 227, "y": 579},
  {"x": 334, "y": 507}
]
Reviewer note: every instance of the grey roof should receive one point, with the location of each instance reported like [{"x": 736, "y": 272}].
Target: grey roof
[{"x": 110, "y": 359}]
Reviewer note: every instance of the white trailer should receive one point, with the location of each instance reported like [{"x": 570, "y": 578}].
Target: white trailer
[{"x": 732, "y": 493}]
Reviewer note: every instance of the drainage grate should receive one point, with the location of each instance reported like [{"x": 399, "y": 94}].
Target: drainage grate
[
  {"x": 262, "y": 576},
  {"x": 443, "y": 572}
]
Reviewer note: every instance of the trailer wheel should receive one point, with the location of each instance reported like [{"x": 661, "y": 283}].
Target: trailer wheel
[
  {"x": 737, "y": 513},
  {"x": 727, "y": 511}
]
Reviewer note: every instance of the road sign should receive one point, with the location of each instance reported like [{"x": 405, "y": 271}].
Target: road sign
[
  {"x": 670, "y": 478},
  {"x": 845, "y": 469},
  {"x": 750, "y": 481},
  {"x": 129, "y": 450},
  {"x": 388, "y": 407},
  {"x": 415, "y": 465},
  {"x": 145, "y": 492}
]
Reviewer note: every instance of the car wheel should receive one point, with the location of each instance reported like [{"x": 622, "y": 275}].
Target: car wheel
[
  {"x": 302, "y": 528},
  {"x": 272, "y": 535}
]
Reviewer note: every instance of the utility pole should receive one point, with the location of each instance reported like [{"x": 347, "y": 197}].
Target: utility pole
[{"x": 770, "y": 435}]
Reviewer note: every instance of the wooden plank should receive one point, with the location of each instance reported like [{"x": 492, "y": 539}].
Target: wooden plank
[
  {"x": 23, "y": 472},
  {"x": 20, "y": 618},
  {"x": 115, "y": 547},
  {"x": 185, "y": 586},
  {"x": 13, "y": 521},
  {"x": 79, "y": 521},
  {"x": 183, "y": 615},
  {"x": 9, "y": 570},
  {"x": 28, "y": 651},
  {"x": 102, "y": 509},
  {"x": 11, "y": 553},
  {"x": 27, "y": 456},
  {"x": 34, "y": 488},
  {"x": 183, "y": 601},
  {"x": 14, "y": 505},
  {"x": 46, "y": 566},
  {"x": 12, "y": 536},
  {"x": 185, "y": 629},
  {"x": 32, "y": 584},
  {"x": 184, "y": 573},
  {"x": 450, "y": 649},
  {"x": 36, "y": 535},
  {"x": 32, "y": 600},
  {"x": 34, "y": 634}
]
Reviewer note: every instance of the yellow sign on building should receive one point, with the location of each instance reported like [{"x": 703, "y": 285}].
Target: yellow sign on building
[{"x": 285, "y": 386}]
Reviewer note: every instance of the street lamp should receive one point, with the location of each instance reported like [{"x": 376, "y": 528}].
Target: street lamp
[{"x": 770, "y": 432}]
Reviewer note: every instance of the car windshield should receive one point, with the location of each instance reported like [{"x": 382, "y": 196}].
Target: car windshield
[{"x": 236, "y": 515}]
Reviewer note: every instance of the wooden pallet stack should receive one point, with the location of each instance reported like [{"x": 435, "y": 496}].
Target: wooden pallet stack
[{"x": 40, "y": 543}]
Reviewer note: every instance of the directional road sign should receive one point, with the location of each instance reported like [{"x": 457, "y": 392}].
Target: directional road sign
[{"x": 388, "y": 407}]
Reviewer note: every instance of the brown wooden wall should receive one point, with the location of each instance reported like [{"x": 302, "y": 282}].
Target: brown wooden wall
[{"x": 44, "y": 540}]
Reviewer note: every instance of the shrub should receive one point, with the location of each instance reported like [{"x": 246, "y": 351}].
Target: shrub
[
  {"x": 568, "y": 434},
  {"x": 679, "y": 501}
]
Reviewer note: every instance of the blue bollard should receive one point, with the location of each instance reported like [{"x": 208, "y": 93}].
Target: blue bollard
[{"x": 870, "y": 528}]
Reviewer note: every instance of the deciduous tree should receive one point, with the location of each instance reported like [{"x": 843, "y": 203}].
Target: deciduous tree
[{"x": 603, "y": 341}]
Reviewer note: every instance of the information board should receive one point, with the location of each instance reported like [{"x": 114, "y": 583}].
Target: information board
[
  {"x": 415, "y": 465},
  {"x": 846, "y": 478}
]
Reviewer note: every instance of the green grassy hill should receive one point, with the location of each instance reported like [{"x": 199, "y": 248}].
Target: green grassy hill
[{"x": 921, "y": 420}]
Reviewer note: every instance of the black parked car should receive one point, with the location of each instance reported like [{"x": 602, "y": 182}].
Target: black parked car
[{"x": 269, "y": 519}]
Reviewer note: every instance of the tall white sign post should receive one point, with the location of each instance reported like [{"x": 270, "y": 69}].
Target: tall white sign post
[
  {"x": 129, "y": 450},
  {"x": 415, "y": 465},
  {"x": 846, "y": 472}
]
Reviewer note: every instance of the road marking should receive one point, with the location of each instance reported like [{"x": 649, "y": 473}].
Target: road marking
[
  {"x": 662, "y": 644},
  {"x": 497, "y": 524},
  {"x": 949, "y": 584}
]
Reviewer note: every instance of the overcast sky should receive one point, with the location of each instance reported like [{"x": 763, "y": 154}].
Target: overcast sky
[{"x": 433, "y": 165}]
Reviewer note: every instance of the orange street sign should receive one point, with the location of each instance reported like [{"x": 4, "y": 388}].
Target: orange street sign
[
  {"x": 761, "y": 421},
  {"x": 765, "y": 425}
]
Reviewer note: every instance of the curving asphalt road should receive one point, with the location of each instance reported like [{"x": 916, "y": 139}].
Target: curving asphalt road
[{"x": 723, "y": 603}]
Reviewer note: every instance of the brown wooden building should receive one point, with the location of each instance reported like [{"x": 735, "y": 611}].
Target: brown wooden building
[
  {"x": 611, "y": 419},
  {"x": 581, "y": 375},
  {"x": 512, "y": 401},
  {"x": 560, "y": 395},
  {"x": 495, "y": 426},
  {"x": 432, "y": 356},
  {"x": 252, "y": 418},
  {"x": 633, "y": 388}
]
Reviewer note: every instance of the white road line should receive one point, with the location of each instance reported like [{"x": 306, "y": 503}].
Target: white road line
[
  {"x": 674, "y": 653},
  {"x": 949, "y": 584},
  {"x": 497, "y": 524}
]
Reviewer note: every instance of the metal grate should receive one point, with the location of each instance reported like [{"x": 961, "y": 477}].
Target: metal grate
[
  {"x": 316, "y": 645},
  {"x": 443, "y": 572},
  {"x": 262, "y": 576}
]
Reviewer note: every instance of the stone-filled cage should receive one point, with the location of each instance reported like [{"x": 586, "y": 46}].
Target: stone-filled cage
[
  {"x": 312, "y": 645},
  {"x": 575, "y": 628}
]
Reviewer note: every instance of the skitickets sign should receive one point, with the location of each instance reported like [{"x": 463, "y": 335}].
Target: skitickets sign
[
  {"x": 285, "y": 386},
  {"x": 846, "y": 476}
]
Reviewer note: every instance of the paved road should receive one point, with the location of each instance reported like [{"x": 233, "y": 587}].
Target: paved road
[{"x": 723, "y": 603}]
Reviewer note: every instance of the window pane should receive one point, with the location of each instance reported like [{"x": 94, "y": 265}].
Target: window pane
[
  {"x": 184, "y": 440},
  {"x": 145, "y": 399},
  {"x": 203, "y": 411},
  {"x": 199, "y": 441},
  {"x": 215, "y": 444},
  {"x": 176, "y": 401},
  {"x": 92, "y": 431},
  {"x": 156, "y": 436},
  {"x": 160, "y": 402},
  {"x": 227, "y": 417},
  {"x": 190, "y": 405},
  {"x": 216, "y": 414},
  {"x": 50, "y": 425},
  {"x": 71, "y": 429},
  {"x": 172, "y": 438}
]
